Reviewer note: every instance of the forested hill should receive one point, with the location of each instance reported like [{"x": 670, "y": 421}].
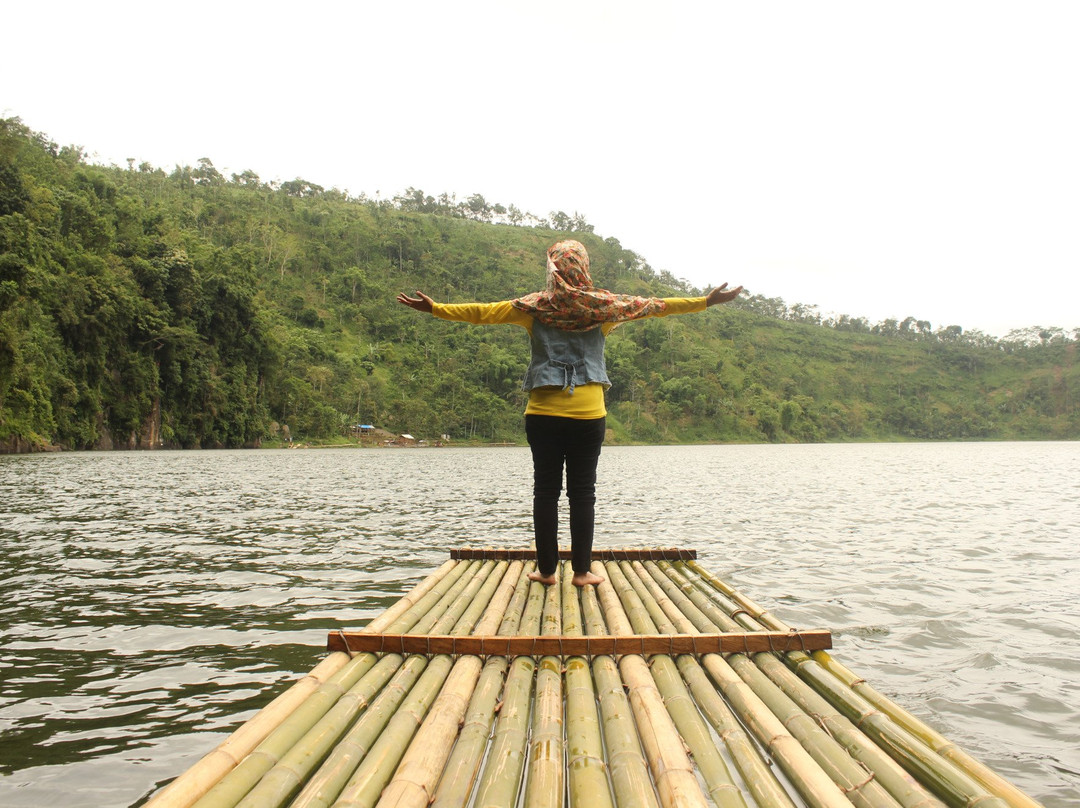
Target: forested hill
[{"x": 140, "y": 308}]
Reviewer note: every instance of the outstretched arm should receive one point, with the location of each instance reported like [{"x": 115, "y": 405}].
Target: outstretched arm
[
  {"x": 421, "y": 303},
  {"x": 721, "y": 294},
  {"x": 475, "y": 313},
  {"x": 687, "y": 305}
]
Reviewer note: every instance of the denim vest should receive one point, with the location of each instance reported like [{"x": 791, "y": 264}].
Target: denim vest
[{"x": 565, "y": 359}]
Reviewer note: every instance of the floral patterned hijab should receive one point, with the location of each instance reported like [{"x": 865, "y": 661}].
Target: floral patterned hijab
[{"x": 570, "y": 301}]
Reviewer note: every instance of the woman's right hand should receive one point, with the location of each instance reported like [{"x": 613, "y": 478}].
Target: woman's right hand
[
  {"x": 420, "y": 303},
  {"x": 721, "y": 294}
]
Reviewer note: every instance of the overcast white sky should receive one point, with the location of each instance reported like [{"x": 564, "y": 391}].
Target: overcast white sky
[{"x": 878, "y": 159}]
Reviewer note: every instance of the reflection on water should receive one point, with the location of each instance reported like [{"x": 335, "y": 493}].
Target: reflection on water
[{"x": 153, "y": 601}]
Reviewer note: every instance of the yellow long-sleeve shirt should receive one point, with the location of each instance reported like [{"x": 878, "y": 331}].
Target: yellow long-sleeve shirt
[{"x": 587, "y": 400}]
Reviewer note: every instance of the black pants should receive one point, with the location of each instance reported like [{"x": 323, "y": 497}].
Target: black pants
[{"x": 575, "y": 442}]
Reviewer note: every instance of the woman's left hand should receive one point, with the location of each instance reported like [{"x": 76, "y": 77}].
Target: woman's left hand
[
  {"x": 421, "y": 302},
  {"x": 721, "y": 294}
]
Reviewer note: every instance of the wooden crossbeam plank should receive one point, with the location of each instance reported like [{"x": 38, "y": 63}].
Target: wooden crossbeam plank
[
  {"x": 644, "y": 644},
  {"x": 612, "y": 554}
]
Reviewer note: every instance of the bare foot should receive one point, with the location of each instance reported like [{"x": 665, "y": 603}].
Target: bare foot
[
  {"x": 546, "y": 580},
  {"x": 586, "y": 579}
]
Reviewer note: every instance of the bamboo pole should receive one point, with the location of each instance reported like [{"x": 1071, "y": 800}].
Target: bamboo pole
[
  {"x": 752, "y": 610},
  {"x": 410, "y": 599},
  {"x": 586, "y": 771},
  {"x": 806, "y": 774},
  {"x": 945, "y": 779},
  {"x": 890, "y": 774},
  {"x": 904, "y": 788},
  {"x": 323, "y": 787},
  {"x": 850, "y": 775},
  {"x": 813, "y": 784},
  {"x": 377, "y": 767},
  {"x": 758, "y": 775},
  {"x": 644, "y": 613},
  {"x": 359, "y": 766},
  {"x": 545, "y": 781},
  {"x": 950, "y": 773},
  {"x": 186, "y": 789},
  {"x": 459, "y": 775},
  {"x": 716, "y": 609},
  {"x": 672, "y": 771},
  {"x": 652, "y": 595},
  {"x": 238, "y": 782},
  {"x": 859, "y": 784},
  {"x": 419, "y": 771},
  {"x": 991, "y": 780},
  {"x": 501, "y": 775},
  {"x": 294, "y": 768},
  {"x": 627, "y": 767}
]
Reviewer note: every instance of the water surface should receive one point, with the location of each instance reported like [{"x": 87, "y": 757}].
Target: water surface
[{"x": 153, "y": 601}]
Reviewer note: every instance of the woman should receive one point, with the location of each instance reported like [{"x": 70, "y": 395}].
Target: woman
[{"x": 565, "y": 419}]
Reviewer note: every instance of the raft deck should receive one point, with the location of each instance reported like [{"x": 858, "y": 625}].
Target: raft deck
[{"x": 663, "y": 686}]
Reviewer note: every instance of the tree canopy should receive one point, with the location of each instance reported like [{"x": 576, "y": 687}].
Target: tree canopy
[{"x": 140, "y": 308}]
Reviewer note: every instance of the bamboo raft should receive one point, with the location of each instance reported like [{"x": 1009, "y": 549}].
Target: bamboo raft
[{"x": 663, "y": 686}]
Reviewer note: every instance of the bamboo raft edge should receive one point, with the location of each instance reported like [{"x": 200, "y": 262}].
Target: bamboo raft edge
[{"x": 618, "y": 695}]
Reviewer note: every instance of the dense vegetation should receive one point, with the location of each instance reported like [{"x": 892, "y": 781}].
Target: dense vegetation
[{"x": 187, "y": 309}]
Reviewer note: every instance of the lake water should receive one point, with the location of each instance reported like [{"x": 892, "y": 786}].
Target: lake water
[{"x": 153, "y": 601}]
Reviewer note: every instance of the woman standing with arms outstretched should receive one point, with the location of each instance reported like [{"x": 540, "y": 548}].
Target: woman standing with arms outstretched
[{"x": 565, "y": 419}]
